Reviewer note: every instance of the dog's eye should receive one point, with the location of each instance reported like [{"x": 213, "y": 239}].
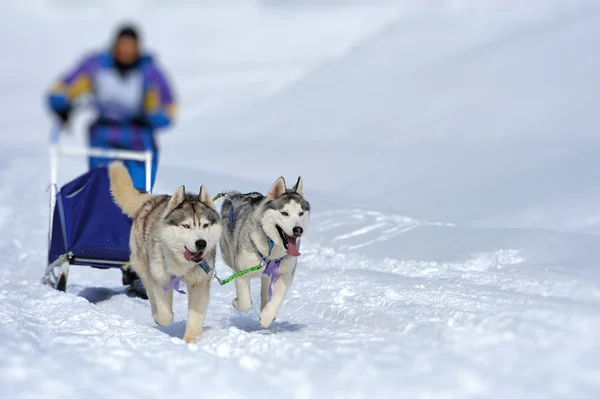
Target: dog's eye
[
  {"x": 285, "y": 213},
  {"x": 185, "y": 226},
  {"x": 301, "y": 213},
  {"x": 205, "y": 225}
]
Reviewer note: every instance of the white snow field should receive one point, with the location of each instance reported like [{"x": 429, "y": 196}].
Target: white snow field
[{"x": 451, "y": 155}]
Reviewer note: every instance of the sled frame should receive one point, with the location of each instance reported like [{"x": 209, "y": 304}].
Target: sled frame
[{"x": 56, "y": 151}]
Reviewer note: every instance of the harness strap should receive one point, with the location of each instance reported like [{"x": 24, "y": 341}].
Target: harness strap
[
  {"x": 216, "y": 197},
  {"x": 174, "y": 284},
  {"x": 271, "y": 269},
  {"x": 238, "y": 274},
  {"x": 271, "y": 265},
  {"x": 177, "y": 279},
  {"x": 266, "y": 259}
]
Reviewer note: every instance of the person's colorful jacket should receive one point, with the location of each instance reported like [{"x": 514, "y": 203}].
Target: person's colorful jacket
[{"x": 131, "y": 104}]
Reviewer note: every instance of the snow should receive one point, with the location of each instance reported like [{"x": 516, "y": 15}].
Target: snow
[{"x": 449, "y": 151}]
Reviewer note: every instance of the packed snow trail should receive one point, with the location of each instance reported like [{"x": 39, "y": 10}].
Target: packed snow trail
[{"x": 351, "y": 326}]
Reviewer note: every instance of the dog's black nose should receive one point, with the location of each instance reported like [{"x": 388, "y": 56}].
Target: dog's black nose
[
  {"x": 201, "y": 245},
  {"x": 297, "y": 231}
]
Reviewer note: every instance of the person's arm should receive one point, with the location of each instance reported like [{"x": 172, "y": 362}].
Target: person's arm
[
  {"x": 159, "y": 107},
  {"x": 73, "y": 84}
]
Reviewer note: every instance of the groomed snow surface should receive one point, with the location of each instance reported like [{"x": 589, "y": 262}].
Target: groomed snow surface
[{"x": 450, "y": 154}]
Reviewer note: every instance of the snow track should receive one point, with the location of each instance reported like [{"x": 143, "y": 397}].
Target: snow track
[
  {"x": 352, "y": 326},
  {"x": 343, "y": 331}
]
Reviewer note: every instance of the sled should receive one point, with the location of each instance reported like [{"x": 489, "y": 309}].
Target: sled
[{"x": 86, "y": 227}]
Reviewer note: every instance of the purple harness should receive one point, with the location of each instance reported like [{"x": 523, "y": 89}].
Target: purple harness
[
  {"x": 271, "y": 270},
  {"x": 174, "y": 284},
  {"x": 177, "y": 279}
]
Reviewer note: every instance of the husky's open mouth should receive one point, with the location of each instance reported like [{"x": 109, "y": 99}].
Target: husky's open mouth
[
  {"x": 289, "y": 242},
  {"x": 193, "y": 256}
]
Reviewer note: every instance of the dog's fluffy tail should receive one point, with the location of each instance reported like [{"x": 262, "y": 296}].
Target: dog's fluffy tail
[{"x": 125, "y": 195}]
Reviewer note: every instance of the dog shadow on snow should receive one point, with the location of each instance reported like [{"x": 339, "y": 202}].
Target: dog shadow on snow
[
  {"x": 96, "y": 295},
  {"x": 251, "y": 324},
  {"x": 243, "y": 323},
  {"x": 246, "y": 323}
]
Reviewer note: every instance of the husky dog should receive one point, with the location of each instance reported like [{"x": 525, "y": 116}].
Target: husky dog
[
  {"x": 173, "y": 238},
  {"x": 261, "y": 228}
]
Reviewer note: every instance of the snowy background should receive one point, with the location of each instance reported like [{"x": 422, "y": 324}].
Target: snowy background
[{"x": 450, "y": 150}]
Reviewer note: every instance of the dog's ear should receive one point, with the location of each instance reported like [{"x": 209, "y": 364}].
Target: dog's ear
[
  {"x": 277, "y": 189},
  {"x": 205, "y": 198},
  {"x": 299, "y": 187},
  {"x": 177, "y": 198}
]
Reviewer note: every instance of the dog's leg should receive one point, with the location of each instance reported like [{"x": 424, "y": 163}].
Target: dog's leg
[
  {"x": 163, "y": 314},
  {"x": 265, "y": 281},
  {"x": 197, "y": 306},
  {"x": 243, "y": 302},
  {"x": 142, "y": 270},
  {"x": 280, "y": 288}
]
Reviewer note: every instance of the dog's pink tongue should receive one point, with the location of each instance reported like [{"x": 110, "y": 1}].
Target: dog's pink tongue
[
  {"x": 292, "y": 249},
  {"x": 187, "y": 255}
]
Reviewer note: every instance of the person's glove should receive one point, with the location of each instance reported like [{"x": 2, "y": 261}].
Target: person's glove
[
  {"x": 154, "y": 121},
  {"x": 64, "y": 116},
  {"x": 60, "y": 106},
  {"x": 142, "y": 122}
]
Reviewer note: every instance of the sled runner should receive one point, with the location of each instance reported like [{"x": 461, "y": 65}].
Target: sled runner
[{"x": 86, "y": 228}]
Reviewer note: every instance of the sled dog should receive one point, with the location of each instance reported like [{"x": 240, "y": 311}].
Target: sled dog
[
  {"x": 173, "y": 238},
  {"x": 258, "y": 229}
]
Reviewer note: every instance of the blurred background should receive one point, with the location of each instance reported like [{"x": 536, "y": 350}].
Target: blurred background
[{"x": 475, "y": 112}]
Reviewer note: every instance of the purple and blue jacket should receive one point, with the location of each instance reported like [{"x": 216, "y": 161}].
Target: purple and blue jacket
[{"x": 131, "y": 106}]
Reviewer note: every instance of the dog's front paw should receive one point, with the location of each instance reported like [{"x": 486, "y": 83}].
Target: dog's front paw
[
  {"x": 190, "y": 338},
  {"x": 266, "y": 318},
  {"x": 242, "y": 306}
]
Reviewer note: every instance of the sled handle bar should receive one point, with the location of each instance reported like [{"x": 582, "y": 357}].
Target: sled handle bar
[
  {"x": 96, "y": 152},
  {"x": 55, "y": 134},
  {"x": 57, "y": 150}
]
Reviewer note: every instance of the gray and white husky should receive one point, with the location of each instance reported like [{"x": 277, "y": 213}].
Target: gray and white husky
[
  {"x": 173, "y": 238},
  {"x": 258, "y": 229}
]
